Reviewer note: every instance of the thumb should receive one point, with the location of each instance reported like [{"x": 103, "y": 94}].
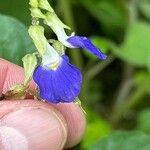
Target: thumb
[{"x": 31, "y": 125}]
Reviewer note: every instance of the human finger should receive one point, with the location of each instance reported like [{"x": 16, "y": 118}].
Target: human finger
[{"x": 31, "y": 125}]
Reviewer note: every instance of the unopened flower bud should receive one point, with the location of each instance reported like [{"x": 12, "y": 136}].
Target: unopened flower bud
[
  {"x": 37, "y": 34},
  {"x": 29, "y": 64}
]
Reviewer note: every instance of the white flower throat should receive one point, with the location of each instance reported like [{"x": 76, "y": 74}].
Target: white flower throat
[{"x": 51, "y": 58}]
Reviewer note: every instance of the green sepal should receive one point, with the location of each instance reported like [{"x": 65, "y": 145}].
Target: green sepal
[
  {"x": 37, "y": 34},
  {"x": 58, "y": 46},
  {"x": 17, "y": 92},
  {"x": 78, "y": 102},
  {"x": 29, "y": 64},
  {"x": 52, "y": 20}
]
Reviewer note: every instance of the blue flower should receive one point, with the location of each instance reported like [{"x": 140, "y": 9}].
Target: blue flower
[
  {"x": 61, "y": 84},
  {"x": 57, "y": 79}
]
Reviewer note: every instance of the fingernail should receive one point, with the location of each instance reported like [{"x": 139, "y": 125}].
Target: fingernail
[{"x": 32, "y": 129}]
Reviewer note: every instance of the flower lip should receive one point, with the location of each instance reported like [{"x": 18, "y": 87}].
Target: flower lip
[
  {"x": 60, "y": 85},
  {"x": 85, "y": 43}
]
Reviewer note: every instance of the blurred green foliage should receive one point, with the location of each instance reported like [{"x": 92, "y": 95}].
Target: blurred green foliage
[
  {"x": 143, "y": 121},
  {"x": 14, "y": 40},
  {"x": 144, "y": 8},
  {"x": 135, "y": 48},
  {"x": 122, "y": 140},
  {"x": 97, "y": 128},
  {"x": 115, "y": 92},
  {"x": 112, "y": 14},
  {"x": 16, "y": 8}
]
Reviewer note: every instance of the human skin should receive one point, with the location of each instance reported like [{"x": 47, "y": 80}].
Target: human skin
[{"x": 35, "y": 125}]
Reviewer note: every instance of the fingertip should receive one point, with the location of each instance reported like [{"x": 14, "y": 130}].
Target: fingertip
[
  {"x": 76, "y": 122},
  {"x": 37, "y": 125}
]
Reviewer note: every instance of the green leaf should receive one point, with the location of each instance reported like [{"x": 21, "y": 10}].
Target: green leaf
[
  {"x": 17, "y": 8},
  {"x": 14, "y": 40},
  {"x": 112, "y": 14},
  {"x": 140, "y": 77},
  {"x": 97, "y": 128},
  {"x": 136, "y": 47},
  {"x": 123, "y": 140},
  {"x": 143, "y": 121},
  {"x": 144, "y": 6}
]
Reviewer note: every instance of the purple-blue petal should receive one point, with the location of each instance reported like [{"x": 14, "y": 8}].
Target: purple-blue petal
[
  {"x": 60, "y": 85},
  {"x": 85, "y": 43}
]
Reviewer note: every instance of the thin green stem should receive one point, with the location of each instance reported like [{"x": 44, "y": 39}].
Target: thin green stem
[
  {"x": 93, "y": 71},
  {"x": 132, "y": 101},
  {"x": 125, "y": 86},
  {"x": 133, "y": 14},
  {"x": 68, "y": 18}
]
